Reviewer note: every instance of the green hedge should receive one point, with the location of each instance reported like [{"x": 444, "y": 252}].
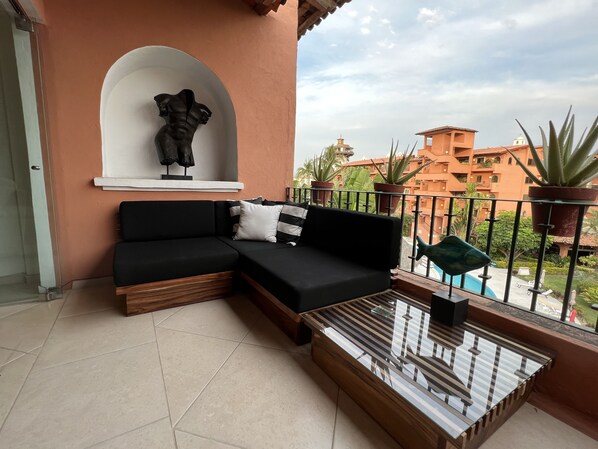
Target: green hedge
[{"x": 550, "y": 267}]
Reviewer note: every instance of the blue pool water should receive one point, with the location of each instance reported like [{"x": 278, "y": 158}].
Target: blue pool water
[{"x": 472, "y": 283}]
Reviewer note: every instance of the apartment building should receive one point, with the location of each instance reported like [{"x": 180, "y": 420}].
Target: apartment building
[{"x": 455, "y": 164}]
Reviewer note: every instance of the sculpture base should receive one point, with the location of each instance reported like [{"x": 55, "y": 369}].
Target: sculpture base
[
  {"x": 178, "y": 177},
  {"x": 451, "y": 311}
]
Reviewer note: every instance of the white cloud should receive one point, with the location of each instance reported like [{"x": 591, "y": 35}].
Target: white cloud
[
  {"x": 430, "y": 17},
  {"x": 366, "y": 20},
  {"x": 482, "y": 69}
]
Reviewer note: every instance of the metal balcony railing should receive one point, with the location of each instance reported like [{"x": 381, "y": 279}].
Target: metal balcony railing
[{"x": 529, "y": 292}]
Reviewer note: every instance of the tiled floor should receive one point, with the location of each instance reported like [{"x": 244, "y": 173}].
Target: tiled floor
[{"x": 76, "y": 373}]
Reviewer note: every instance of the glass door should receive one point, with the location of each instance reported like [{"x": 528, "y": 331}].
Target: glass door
[{"x": 26, "y": 260}]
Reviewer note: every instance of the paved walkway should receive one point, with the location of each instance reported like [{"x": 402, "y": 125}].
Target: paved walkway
[{"x": 519, "y": 293}]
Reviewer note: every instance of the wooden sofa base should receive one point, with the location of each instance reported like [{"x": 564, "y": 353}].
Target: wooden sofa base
[
  {"x": 159, "y": 295},
  {"x": 288, "y": 321}
]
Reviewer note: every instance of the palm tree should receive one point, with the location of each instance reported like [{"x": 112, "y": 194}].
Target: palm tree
[
  {"x": 304, "y": 174},
  {"x": 461, "y": 210}
]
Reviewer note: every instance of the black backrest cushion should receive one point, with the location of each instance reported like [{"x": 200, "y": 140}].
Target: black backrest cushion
[
  {"x": 161, "y": 220},
  {"x": 224, "y": 222},
  {"x": 371, "y": 240}
]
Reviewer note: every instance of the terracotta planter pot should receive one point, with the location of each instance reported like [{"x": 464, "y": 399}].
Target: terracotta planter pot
[
  {"x": 321, "y": 192},
  {"x": 387, "y": 204},
  {"x": 563, "y": 216}
]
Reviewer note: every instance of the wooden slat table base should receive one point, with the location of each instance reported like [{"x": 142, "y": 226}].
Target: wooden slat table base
[
  {"x": 430, "y": 386},
  {"x": 154, "y": 296},
  {"x": 408, "y": 427},
  {"x": 288, "y": 321}
]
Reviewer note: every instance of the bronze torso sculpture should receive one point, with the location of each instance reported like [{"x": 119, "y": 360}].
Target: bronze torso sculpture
[{"x": 183, "y": 115}]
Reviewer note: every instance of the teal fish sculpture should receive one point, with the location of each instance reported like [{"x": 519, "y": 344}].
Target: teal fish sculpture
[{"x": 453, "y": 255}]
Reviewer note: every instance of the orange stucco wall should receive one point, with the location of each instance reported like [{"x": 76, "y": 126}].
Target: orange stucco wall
[{"x": 254, "y": 56}]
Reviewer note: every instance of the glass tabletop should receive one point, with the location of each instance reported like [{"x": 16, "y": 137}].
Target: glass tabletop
[{"x": 453, "y": 375}]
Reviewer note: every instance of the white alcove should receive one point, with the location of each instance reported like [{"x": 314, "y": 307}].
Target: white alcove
[{"x": 129, "y": 122}]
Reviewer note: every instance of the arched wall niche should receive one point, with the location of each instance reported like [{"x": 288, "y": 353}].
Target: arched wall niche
[{"x": 129, "y": 121}]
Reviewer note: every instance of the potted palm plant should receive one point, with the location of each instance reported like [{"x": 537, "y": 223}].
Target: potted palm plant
[
  {"x": 565, "y": 169},
  {"x": 324, "y": 168},
  {"x": 394, "y": 178}
]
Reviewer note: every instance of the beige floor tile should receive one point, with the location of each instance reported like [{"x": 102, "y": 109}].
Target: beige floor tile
[
  {"x": 355, "y": 429},
  {"x": 82, "y": 336},
  {"x": 12, "y": 377},
  {"x": 28, "y": 329},
  {"x": 265, "y": 333},
  {"x": 8, "y": 355},
  {"x": 187, "y": 441},
  {"x": 229, "y": 318},
  {"x": 86, "y": 402},
  {"x": 189, "y": 362},
  {"x": 10, "y": 309},
  {"x": 91, "y": 299},
  {"x": 531, "y": 428},
  {"x": 161, "y": 315},
  {"x": 36, "y": 351},
  {"x": 266, "y": 398},
  {"x": 158, "y": 435}
]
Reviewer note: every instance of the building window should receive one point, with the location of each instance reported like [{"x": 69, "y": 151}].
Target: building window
[
  {"x": 494, "y": 178},
  {"x": 497, "y": 160},
  {"x": 510, "y": 161},
  {"x": 531, "y": 162},
  {"x": 480, "y": 160},
  {"x": 478, "y": 178},
  {"x": 528, "y": 180}
]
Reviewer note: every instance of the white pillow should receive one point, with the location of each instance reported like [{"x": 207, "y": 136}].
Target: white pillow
[{"x": 258, "y": 222}]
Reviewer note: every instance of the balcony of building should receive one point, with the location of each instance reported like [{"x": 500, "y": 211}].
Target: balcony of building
[{"x": 76, "y": 373}]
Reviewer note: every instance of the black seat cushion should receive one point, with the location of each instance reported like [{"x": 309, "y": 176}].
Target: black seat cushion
[
  {"x": 305, "y": 278},
  {"x": 245, "y": 246},
  {"x": 371, "y": 240},
  {"x": 141, "y": 262},
  {"x": 164, "y": 220}
]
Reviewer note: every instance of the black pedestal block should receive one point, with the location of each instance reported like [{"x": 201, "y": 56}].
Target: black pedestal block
[
  {"x": 178, "y": 177},
  {"x": 451, "y": 311}
]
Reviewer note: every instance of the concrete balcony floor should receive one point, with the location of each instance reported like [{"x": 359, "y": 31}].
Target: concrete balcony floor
[{"x": 76, "y": 373}]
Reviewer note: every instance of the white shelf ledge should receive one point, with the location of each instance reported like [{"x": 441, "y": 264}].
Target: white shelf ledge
[{"x": 166, "y": 185}]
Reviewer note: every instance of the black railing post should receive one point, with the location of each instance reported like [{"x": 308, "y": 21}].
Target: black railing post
[
  {"x": 490, "y": 221},
  {"x": 357, "y": 201},
  {"x": 449, "y": 222},
  {"x": 572, "y": 263},
  {"x": 545, "y": 228},
  {"x": 401, "y": 224},
  {"x": 468, "y": 231},
  {"x": 367, "y": 202},
  {"x": 431, "y": 236},
  {"x": 512, "y": 251},
  {"x": 416, "y": 212}
]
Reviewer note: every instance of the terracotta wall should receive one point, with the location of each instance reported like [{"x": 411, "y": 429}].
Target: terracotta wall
[{"x": 254, "y": 56}]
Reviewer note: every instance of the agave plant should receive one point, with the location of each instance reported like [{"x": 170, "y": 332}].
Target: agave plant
[
  {"x": 397, "y": 165},
  {"x": 562, "y": 164},
  {"x": 325, "y": 166}
]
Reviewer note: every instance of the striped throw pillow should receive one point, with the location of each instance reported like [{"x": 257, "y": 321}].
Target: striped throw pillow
[
  {"x": 234, "y": 208},
  {"x": 290, "y": 222}
]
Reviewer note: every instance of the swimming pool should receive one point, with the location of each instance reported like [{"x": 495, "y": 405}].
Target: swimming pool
[{"x": 472, "y": 283}]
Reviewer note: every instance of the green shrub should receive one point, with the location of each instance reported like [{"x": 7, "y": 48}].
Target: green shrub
[{"x": 589, "y": 261}]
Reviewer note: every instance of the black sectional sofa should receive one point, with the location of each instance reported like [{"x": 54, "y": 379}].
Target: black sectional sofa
[{"x": 180, "y": 252}]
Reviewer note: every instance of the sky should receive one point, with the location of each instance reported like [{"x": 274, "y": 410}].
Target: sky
[{"x": 377, "y": 70}]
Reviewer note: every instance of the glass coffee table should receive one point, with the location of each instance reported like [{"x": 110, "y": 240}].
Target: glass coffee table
[{"x": 428, "y": 385}]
